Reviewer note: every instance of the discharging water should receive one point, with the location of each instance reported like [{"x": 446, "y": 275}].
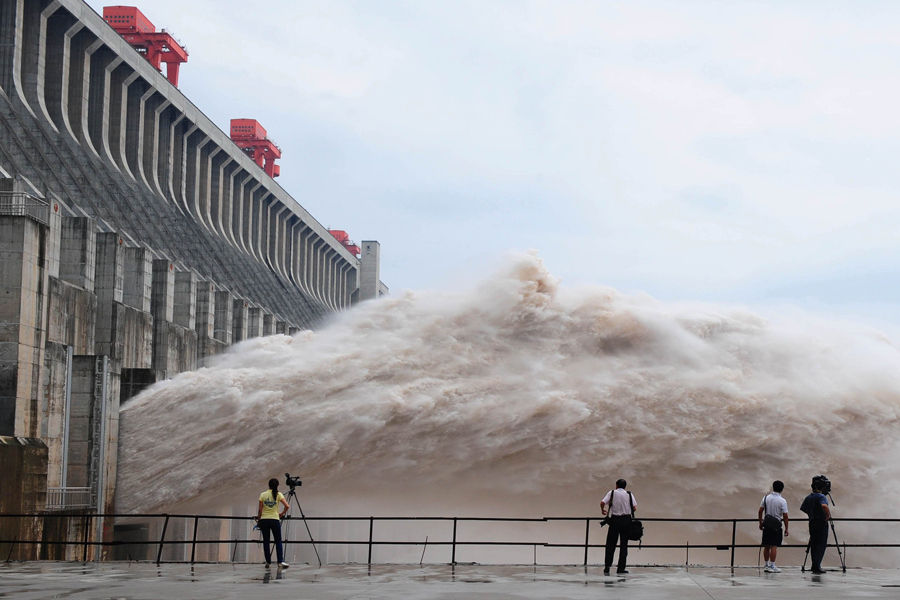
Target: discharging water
[{"x": 523, "y": 398}]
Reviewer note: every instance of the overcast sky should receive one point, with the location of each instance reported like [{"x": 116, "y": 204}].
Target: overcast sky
[{"x": 716, "y": 151}]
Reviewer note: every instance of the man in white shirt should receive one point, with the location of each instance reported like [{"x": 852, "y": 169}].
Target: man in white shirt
[
  {"x": 619, "y": 504},
  {"x": 772, "y": 511}
]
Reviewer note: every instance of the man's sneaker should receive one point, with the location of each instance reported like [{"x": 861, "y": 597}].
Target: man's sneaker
[
  {"x": 768, "y": 569},
  {"x": 283, "y": 565},
  {"x": 774, "y": 569}
]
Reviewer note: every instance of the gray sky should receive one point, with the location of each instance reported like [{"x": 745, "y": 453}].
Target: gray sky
[{"x": 715, "y": 151}]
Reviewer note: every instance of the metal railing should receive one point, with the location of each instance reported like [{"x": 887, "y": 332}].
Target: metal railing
[
  {"x": 453, "y": 541},
  {"x": 63, "y": 498},
  {"x": 21, "y": 204}
]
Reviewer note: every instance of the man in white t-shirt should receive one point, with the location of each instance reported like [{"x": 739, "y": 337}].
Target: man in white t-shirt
[
  {"x": 619, "y": 504},
  {"x": 772, "y": 511}
]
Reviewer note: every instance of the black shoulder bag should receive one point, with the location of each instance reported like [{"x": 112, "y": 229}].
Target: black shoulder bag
[
  {"x": 770, "y": 523},
  {"x": 636, "y": 530}
]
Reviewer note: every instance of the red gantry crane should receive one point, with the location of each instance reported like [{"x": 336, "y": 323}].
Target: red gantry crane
[
  {"x": 251, "y": 137},
  {"x": 156, "y": 46},
  {"x": 344, "y": 238}
]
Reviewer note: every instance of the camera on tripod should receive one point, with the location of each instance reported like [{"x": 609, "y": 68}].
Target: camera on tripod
[
  {"x": 821, "y": 483},
  {"x": 293, "y": 482}
]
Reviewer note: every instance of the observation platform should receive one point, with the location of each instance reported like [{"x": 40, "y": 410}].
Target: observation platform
[{"x": 145, "y": 581}]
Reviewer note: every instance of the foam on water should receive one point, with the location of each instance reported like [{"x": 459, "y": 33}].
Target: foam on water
[{"x": 523, "y": 398}]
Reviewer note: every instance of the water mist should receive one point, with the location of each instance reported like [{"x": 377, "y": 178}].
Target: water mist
[{"x": 522, "y": 398}]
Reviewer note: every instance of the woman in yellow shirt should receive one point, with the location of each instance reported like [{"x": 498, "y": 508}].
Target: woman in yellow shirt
[{"x": 269, "y": 520}]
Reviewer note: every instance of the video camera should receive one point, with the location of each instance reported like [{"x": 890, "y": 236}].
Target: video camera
[
  {"x": 821, "y": 483},
  {"x": 293, "y": 482}
]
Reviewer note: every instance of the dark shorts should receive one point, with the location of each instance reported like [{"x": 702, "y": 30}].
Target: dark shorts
[{"x": 772, "y": 537}]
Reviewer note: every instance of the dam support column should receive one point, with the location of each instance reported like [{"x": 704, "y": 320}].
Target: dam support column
[
  {"x": 254, "y": 321},
  {"x": 109, "y": 286},
  {"x": 23, "y": 462},
  {"x": 223, "y": 317},
  {"x": 162, "y": 306},
  {"x": 185, "y": 299},
  {"x": 23, "y": 285},
  {"x": 174, "y": 345},
  {"x": 207, "y": 344},
  {"x": 132, "y": 332},
  {"x": 77, "y": 255},
  {"x": 240, "y": 314}
]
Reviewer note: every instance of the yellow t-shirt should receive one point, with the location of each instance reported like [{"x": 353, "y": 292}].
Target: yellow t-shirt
[{"x": 270, "y": 507}]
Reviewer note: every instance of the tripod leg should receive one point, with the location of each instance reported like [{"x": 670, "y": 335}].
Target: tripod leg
[
  {"x": 838, "y": 546},
  {"x": 803, "y": 566},
  {"x": 302, "y": 516}
]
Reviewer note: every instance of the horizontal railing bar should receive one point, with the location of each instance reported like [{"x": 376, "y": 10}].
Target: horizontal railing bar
[
  {"x": 716, "y": 546},
  {"x": 234, "y": 541},
  {"x": 401, "y": 518},
  {"x": 308, "y": 518},
  {"x": 659, "y": 519},
  {"x": 418, "y": 543}
]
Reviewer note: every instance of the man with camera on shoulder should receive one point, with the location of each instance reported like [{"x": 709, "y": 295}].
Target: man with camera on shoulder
[{"x": 816, "y": 507}]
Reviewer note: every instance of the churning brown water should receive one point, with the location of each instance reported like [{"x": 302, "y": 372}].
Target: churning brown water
[{"x": 522, "y": 398}]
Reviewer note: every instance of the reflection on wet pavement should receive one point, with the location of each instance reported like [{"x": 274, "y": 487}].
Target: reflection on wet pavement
[{"x": 143, "y": 581}]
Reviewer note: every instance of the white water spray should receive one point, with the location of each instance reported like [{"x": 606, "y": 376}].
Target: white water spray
[{"x": 520, "y": 398}]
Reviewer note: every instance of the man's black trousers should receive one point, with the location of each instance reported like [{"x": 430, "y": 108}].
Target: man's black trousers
[
  {"x": 818, "y": 540},
  {"x": 617, "y": 534}
]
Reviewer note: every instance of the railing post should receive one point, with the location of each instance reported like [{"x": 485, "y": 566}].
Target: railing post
[
  {"x": 587, "y": 532},
  {"x": 371, "y": 527},
  {"x": 161, "y": 538},
  {"x": 453, "y": 555},
  {"x": 84, "y": 537},
  {"x": 194, "y": 541},
  {"x": 733, "y": 537}
]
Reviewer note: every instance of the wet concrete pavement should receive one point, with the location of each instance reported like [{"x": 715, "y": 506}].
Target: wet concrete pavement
[{"x": 143, "y": 581}]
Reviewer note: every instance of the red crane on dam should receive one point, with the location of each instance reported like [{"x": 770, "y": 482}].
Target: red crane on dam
[
  {"x": 156, "y": 46},
  {"x": 252, "y": 138},
  {"x": 344, "y": 238}
]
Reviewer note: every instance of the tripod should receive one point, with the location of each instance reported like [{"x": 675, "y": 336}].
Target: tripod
[
  {"x": 836, "y": 544},
  {"x": 293, "y": 494}
]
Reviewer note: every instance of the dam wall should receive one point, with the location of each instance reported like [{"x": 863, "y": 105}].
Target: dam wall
[
  {"x": 137, "y": 241},
  {"x": 86, "y": 121}
]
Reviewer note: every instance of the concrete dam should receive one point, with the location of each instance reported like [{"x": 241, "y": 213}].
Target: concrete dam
[{"x": 137, "y": 239}]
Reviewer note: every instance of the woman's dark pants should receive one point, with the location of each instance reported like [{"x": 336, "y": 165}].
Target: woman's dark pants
[{"x": 272, "y": 526}]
